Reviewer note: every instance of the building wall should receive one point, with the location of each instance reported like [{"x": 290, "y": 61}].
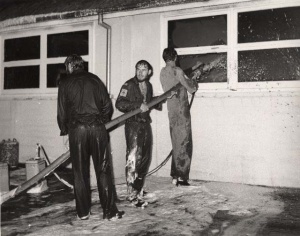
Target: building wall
[
  {"x": 245, "y": 138},
  {"x": 31, "y": 121},
  {"x": 240, "y": 136}
]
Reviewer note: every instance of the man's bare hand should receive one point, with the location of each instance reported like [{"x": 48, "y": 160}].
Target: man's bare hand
[
  {"x": 199, "y": 63},
  {"x": 206, "y": 68},
  {"x": 196, "y": 74},
  {"x": 144, "y": 107},
  {"x": 172, "y": 94}
]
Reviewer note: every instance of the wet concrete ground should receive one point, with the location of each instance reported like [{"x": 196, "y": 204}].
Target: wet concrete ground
[{"x": 204, "y": 208}]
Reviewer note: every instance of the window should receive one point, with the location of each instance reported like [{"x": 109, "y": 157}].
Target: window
[
  {"x": 64, "y": 44},
  {"x": 57, "y": 72},
  {"x": 34, "y": 62},
  {"x": 278, "y": 64},
  {"x": 245, "y": 47},
  {"x": 269, "y": 25},
  {"x": 272, "y": 64},
  {"x": 189, "y": 32},
  {"x": 193, "y": 45},
  {"x": 22, "y": 48},
  {"x": 21, "y": 77}
]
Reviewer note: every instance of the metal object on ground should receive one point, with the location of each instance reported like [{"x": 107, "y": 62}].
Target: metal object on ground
[
  {"x": 9, "y": 152},
  {"x": 48, "y": 163},
  {"x": 33, "y": 167},
  {"x": 4, "y": 177}
]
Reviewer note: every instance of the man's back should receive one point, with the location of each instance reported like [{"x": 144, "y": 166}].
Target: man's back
[{"x": 83, "y": 98}]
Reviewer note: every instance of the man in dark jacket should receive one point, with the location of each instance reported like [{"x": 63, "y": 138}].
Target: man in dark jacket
[
  {"x": 83, "y": 108},
  {"x": 136, "y": 93}
]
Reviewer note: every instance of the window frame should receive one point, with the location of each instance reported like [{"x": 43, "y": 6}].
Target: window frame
[
  {"x": 233, "y": 47},
  {"x": 43, "y": 61}
]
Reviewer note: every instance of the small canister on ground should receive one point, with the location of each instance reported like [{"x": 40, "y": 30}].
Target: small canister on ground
[
  {"x": 9, "y": 152},
  {"x": 4, "y": 177},
  {"x": 33, "y": 167}
]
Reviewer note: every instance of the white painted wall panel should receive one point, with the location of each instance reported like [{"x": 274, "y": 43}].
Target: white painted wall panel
[
  {"x": 33, "y": 121},
  {"x": 6, "y": 120}
]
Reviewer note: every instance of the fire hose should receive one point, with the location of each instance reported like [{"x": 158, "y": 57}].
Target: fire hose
[{"x": 62, "y": 158}]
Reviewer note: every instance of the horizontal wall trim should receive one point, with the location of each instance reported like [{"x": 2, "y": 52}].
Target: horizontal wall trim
[
  {"x": 92, "y": 14},
  {"x": 36, "y": 97},
  {"x": 289, "y": 92}
]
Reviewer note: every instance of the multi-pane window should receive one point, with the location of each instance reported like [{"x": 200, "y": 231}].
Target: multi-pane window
[
  {"x": 37, "y": 61},
  {"x": 272, "y": 64},
  {"x": 63, "y": 45},
  {"x": 201, "y": 35},
  {"x": 18, "y": 50},
  {"x": 241, "y": 47}
]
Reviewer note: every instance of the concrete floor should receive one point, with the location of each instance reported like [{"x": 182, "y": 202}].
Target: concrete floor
[{"x": 204, "y": 208}]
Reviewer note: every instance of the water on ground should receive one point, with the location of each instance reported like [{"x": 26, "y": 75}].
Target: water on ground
[{"x": 204, "y": 208}]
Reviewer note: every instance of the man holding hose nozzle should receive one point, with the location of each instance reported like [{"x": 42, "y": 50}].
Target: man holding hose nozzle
[{"x": 179, "y": 115}]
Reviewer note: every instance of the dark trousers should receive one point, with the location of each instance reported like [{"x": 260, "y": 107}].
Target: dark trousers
[
  {"x": 86, "y": 141},
  {"x": 139, "y": 143}
]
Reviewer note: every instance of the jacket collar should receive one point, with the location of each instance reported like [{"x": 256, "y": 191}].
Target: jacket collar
[{"x": 77, "y": 71}]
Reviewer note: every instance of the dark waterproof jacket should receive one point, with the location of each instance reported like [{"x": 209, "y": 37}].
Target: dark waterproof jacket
[
  {"x": 82, "y": 99},
  {"x": 131, "y": 98}
]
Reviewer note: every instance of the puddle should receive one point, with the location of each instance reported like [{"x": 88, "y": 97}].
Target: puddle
[
  {"x": 23, "y": 205},
  {"x": 288, "y": 222}
]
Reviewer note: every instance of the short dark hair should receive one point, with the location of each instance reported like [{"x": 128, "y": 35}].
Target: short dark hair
[
  {"x": 169, "y": 54},
  {"x": 144, "y": 63},
  {"x": 76, "y": 61}
]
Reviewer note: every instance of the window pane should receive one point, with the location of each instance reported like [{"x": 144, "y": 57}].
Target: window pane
[
  {"x": 269, "y": 65},
  {"x": 21, "y": 77},
  {"x": 65, "y": 44},
  {"x": 197, "y": 32},
  {"x": 22, "y": 48},
  {"x": 216, "y": 62},
  {"x": 57, "y": 72},
  {"x": 269, "y": 25}
]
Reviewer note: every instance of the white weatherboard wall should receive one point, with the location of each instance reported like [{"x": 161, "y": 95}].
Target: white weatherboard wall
[
  {"x": 249, "y": 137},
  {"x": 245, "y": 138},
  {"x": 31, "y": 121}
]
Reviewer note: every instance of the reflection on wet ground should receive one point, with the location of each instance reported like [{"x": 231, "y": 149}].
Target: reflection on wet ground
[
  {"x": 204, "y": 208},
  {"x": 288, "y": 221},
  {"x": 14, "y": 209}
]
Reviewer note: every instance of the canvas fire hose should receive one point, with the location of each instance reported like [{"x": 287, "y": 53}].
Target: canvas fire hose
[{"x": 61, "y": 159}]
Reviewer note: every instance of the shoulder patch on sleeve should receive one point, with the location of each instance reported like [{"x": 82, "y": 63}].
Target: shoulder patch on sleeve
[{"x": 123, "y": 92}]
